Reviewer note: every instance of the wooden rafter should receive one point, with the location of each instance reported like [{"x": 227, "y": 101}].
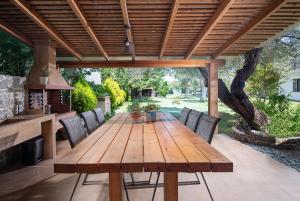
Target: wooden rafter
[
  {"x": 32, "y": 14},
  {"x": 209, "y": 26},
  {"x": 169, "y": 28},
  {"x": 127, "y": 26},
  {"x": 16, "y": 34},
  {"x": 259, "y": 18},
  {"x": 141, "y": 64},
  {"x": 78, "y": 12}
]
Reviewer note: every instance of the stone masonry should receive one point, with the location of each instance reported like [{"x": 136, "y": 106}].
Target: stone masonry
[{"x": 11, "y": 95}]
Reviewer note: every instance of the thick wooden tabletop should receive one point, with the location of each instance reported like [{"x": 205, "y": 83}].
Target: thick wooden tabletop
[{"x": 126, "y": 145}]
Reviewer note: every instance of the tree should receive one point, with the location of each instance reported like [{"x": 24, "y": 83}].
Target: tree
[
  {"x": 236, "y": 98},
  {"x": 264, "y": 82},
  {"x": 15, "y": 57},
  {"x": 137, "y": 78}
]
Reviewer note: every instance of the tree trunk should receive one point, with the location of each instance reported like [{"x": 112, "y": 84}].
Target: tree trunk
[{"x": 236, "y": 98}]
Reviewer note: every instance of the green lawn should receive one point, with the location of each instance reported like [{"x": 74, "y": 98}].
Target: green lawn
[{"x": 174, "y": 104}]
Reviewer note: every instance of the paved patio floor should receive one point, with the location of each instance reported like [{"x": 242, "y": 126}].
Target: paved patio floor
[{"x": 256, "y": 177}]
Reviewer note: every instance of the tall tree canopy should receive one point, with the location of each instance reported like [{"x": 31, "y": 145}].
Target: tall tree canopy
[{"x": 15, "y": 57}]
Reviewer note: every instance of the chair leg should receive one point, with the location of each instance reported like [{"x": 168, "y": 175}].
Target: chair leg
[
  {"x": 207, "y": 186},
  {"x": 126, "y": 190},
  {"x": 149, "y": 181},
  {"x": 156, "y": 184},
  {"x": 85, "y": 179},
  {"x": 73, "y": 192},
  {"x": 132, "y": 179}
]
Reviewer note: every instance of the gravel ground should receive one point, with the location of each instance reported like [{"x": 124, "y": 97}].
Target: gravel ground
[{"x": 290, "y": 158}]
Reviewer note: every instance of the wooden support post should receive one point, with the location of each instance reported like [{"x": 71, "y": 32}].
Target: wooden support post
[
  {"x": 48, "y": 133},
  {"x": 115, "y": 186},
  {"x": 213, "y": 91},
  {"x": 171, "y": 186}
]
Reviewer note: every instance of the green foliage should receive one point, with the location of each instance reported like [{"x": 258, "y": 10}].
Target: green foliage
[
  {"x": 74, "y": 75},
  {"x": 284, "y": 118},
  {"x": 142, "y": 78},
  {"x": 99, "y": 90},
  {"x": 135, "y": 107},
  {"x": 118, "y": 95},
  {"x": 264, "y": 82},
  {"x": 15, "y": 57},
  {"x": 164, "y": 89},
  {"x": 150, "y": 107},
  {"x": 83, "y": 97}
]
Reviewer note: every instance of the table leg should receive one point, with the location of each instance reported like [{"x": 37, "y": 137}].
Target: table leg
[
  {"x": 49, "y": 139},
  {"x": 171, "y": 186},
  {"x": 115, "y": 186}
]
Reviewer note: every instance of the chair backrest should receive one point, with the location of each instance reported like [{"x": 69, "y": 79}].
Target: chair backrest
[
  {"x": 74, "y": 130},
  {"x": 100, "y": 115},
  {"x": 193, "y": 119},
  {"x": 90, "y": 121},
  {"x": 206, "y": 127},
  {"x": 184, "y": 115}
]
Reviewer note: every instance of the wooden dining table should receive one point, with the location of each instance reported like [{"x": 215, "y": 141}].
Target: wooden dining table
[{"x": 125, "y": 144}]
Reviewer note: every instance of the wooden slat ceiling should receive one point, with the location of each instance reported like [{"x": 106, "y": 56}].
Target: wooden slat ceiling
[{"x": 153, "y": 31}]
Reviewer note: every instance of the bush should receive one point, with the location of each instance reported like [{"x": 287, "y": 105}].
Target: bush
[
  {"x": 163, "y": 89},
  {"x": 99, "y": 90},
  {"x": 118, "y": 95},
  {"x": 83, "y": 97},
  {"x": 284, "y": 119}
]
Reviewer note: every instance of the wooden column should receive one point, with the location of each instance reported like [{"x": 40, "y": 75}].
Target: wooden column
[
  {"x": 115, "y": 186},
  {"x": 213, "y": 90},
  {"x": 48, "y": 132},
  {"x": 171, "y": 186}
]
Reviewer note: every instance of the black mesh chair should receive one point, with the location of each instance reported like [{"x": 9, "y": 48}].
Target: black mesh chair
[
  {"x": 99, "y": 115},
  {"x": 206, "y": 129},
  {"x": 193, "y": 119},
  {"x": 90, "y": 121},
  {"x": 184, "y": 115},
  {"x": 207, "y": 126},
  {"x": 74, "y": 130},
  {"x": 75, "y": 133}
]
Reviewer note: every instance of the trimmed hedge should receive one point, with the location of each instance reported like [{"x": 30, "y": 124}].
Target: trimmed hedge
[
  {"x": 118, "y": 95},
  {"x": 83, "y": 97}
]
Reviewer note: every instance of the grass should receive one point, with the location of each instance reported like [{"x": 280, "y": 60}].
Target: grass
[{"x": 174, "y": 104}]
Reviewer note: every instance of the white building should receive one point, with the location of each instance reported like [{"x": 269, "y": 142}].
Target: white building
[{"x": 291, "y": 86}]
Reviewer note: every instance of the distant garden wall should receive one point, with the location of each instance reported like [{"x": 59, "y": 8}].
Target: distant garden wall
[{"x": 11, "y": 95}]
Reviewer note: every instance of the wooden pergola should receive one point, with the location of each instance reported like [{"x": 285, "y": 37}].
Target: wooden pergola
[{"x": 149, "y": 33}]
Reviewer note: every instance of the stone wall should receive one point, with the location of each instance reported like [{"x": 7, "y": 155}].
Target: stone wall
[
  {"x": 11, "y": 95},
  {"x": 257, "y": 138}
]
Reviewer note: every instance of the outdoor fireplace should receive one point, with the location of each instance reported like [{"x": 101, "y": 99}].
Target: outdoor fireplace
[{"x": 46, "y": 91}]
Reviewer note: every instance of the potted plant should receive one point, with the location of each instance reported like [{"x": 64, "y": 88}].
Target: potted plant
[
  {"x": 135, "y": 109},
  {"x": 150, "y": 111},
  {"x": 44, "y": 77}
]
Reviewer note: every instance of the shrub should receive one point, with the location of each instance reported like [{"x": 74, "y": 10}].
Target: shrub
[
  {"x": 83, "y": 97},
  {"x": 118, "y": 95},
  {"x": 284, "y": 119},
  {"x": 163, "y": 89},
  {"x": 99, "y": 90}
]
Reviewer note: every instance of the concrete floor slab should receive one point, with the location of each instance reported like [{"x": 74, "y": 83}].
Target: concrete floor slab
[{"x": 256, "y": 177}]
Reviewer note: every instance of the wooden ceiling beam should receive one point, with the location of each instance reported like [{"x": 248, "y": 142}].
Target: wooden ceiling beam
[
  {"x": 225, "y": 5},
  {"x": 34, "y": 16},
  {"x": 256, "y": 20},
  {"x": 89, "y": 29},
  {"x": 127, "y": 25},
  {"x": 141, "y": 64},
  {"x": 170, "y": 26},
  {"x": 8, "y": 29}
]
